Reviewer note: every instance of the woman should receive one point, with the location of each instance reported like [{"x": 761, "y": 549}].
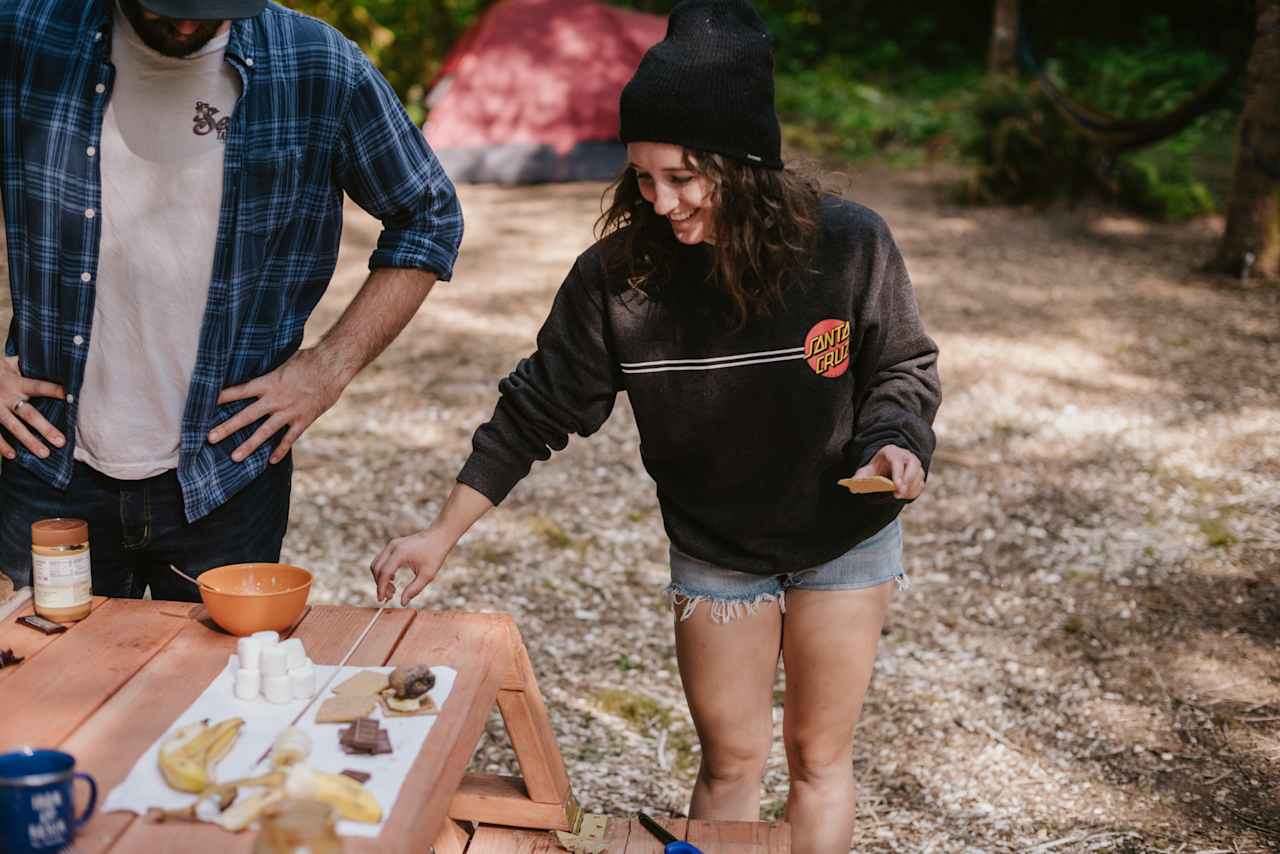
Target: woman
[{"x": 770, "y": 344}]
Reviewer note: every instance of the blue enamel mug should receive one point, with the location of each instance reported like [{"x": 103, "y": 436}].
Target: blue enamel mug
[{"x": 37, "y": 806}]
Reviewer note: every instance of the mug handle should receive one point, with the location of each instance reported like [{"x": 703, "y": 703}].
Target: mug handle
[{"x": 93, "y": 799}]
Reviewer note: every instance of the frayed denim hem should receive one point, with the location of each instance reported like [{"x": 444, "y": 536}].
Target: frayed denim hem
[
  {"x": 722, "y": 610},
  {"x": 797, "y": 581}
]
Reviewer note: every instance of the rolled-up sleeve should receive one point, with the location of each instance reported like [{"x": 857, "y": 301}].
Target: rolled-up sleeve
[{"x": 386, "y": 166}]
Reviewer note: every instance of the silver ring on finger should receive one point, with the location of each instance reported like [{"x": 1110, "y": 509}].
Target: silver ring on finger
[{"x": 18, "y": 404}]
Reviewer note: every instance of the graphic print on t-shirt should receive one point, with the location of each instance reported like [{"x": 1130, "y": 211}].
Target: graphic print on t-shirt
[
  {"x": 826, "y": 350},
  {"x": 826, "y": 347},
  {"x": 207, "y": 121}
]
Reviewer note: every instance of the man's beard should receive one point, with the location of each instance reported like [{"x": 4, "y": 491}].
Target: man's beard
[{"x": 162, "y": 36}]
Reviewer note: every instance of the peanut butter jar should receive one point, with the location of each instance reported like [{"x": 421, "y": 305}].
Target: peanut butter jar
[{"x": 62, "y": 584}]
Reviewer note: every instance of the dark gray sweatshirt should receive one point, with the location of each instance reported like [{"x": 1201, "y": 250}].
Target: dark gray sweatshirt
[{"x": 744, "y": 431}]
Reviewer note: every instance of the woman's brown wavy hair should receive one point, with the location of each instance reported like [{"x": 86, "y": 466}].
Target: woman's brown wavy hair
[{"x": 765, "y": 223}]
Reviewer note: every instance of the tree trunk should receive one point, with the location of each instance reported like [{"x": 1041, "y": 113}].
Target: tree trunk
[
  {"x": 1003, "y": 57},
  {"x": 1251, "y": 244}
]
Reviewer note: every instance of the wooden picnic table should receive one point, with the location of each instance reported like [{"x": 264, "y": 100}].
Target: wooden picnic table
[{"x": 112, "y": 684}]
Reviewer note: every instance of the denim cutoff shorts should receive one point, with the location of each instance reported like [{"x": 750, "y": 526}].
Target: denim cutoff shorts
[{"x": 731, "y": 593}]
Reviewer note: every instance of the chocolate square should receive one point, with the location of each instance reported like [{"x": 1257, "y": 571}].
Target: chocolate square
[{"x": 364, "y": 736}]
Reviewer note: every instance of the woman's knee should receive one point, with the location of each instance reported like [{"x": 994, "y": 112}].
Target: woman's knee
[
  {"x": 736, "y": 761},
  {"x": 819, "y": 757}
]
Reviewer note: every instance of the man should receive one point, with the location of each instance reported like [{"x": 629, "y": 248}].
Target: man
[{"x": 172, "y": 175}]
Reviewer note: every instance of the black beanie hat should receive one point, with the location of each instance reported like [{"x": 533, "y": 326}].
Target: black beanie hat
[{"x": 708, "y": 85}]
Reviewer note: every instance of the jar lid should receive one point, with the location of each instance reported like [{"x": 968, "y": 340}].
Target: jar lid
[{"x": 59, "y": 532}]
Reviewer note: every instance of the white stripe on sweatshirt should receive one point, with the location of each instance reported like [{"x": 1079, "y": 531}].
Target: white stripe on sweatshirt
[{"x": 735, "y": 361}]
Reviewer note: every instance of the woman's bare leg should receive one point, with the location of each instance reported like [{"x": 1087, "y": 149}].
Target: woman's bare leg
[
  {"x": 728, "y": 671},
  {"x": 829, "y": 649}
]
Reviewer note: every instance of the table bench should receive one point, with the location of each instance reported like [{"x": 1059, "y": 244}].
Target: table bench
[{"x": 626, "y": 836}]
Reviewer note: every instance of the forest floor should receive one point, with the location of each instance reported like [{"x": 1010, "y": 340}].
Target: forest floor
[{"x": 1088, "y": 658}]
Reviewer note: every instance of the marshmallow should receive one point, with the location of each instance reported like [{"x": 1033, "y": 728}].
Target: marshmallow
[
  {"x": 267, "y": 638},
  {"x": 296, "y": 656},
  {"x": 302, "y": 682},
  {"x": 248, "y": 683},
  {"x": 276, "y": 689},
  {"x": 274, "y": 661},
  {"x": 250, "y": 652}
]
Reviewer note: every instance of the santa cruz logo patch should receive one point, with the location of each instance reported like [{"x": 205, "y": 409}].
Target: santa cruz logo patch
[{"x": 826, "y": 348}]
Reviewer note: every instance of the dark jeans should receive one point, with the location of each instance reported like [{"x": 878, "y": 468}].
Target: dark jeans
[{"x": 137, "y": 527}]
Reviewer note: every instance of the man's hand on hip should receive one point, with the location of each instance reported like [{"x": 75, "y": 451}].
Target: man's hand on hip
[
  {"x": 294, "y": 395},
  {"x": 300, "y": 390},
  {"x": 19, "y": 417}
]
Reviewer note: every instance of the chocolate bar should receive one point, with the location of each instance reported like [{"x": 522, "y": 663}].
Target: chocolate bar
[
  {"x": 382, "y": 745},
  {"x": 40, "y": 624},
  {"x": 365, "y": 736},
  {"x": 361, "y": 777}
]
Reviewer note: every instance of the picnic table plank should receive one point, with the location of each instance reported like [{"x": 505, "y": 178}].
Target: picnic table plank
[
  {"x": 736, "y": 837},
  {"x": 503, "y": 800},
  {"x": 616, "y": 833},
  {"x": 328, "y": 631},
  {"x": 68, "y": 682},
  {"x": 453, "y": 838},
  {"x": 506, "y": 840},
  {"x": 471, "y": 645},
  {"x": 181, "y": 839},
  {"x": 780, "y": 837},
  {"x": 16, "y": 600},
  {"x": 25, "y": 641},
  {"x": 641, "y": 841},
  {"x": 529, "y": 727}
]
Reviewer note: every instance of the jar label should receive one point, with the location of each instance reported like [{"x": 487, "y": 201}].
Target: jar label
[{"x": 61, "y": 582}]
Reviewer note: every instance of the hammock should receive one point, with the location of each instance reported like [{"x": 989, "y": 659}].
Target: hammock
[{"x": 1116, "y": 134}]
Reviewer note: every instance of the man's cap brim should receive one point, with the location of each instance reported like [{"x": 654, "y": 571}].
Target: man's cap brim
[{"x": 204, "y": 10}]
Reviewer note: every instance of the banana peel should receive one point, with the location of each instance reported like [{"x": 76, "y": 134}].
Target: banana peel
[
  {"x": 242, "y": 813},
  {"x": 351, "y": 799},
  {"x": 348, "y": 798},
  {"x": 188, "y": 756}
]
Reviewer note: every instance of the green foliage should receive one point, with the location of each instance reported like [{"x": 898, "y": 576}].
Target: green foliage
[
  {"x": 1024, "y": 150},
  {"x": 839, "y": 108},
  {"x": 1217, "y": 533},
  {"x": 1172, "y": 195},
  {"x": 406, "y": 39},
  {"x": 1027, "y": 152}
]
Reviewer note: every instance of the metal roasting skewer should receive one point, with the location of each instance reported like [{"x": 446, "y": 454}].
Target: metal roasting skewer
[{"x": 320, "y": 692}]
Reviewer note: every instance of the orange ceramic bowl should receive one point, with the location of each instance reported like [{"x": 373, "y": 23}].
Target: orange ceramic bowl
[{"x": 255, "y": 597}]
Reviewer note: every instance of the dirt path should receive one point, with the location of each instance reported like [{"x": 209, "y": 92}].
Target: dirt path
[{"x": 1088, "y": 659}]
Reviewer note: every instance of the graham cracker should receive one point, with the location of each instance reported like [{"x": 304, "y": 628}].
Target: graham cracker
[
  {"x": 366, "y": 683},
  {"x": 861, "y": 485},
  {"x": 345, "y": 708}
]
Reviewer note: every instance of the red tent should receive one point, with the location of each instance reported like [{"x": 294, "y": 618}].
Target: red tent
[{"x": 530, "y": 93}]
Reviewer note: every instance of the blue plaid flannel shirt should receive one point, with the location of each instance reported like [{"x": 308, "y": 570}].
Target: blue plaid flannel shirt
[{"x": 315, "y": 120}]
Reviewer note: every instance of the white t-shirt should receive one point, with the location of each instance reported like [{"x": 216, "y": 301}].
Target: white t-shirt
[{"x": 162, "y": 148}]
